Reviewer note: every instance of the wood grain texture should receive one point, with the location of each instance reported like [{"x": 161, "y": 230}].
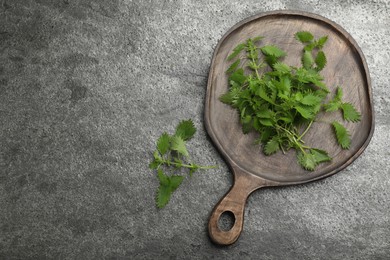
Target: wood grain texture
[{"x": 346, "y": 67}]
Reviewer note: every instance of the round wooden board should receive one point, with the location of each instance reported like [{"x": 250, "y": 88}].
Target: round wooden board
[{"x": 345, "y": 67}]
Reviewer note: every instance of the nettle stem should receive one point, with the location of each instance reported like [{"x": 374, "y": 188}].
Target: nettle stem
[
  {"x": 189, "y": 166},
  {"x": 307, "y": 129}
]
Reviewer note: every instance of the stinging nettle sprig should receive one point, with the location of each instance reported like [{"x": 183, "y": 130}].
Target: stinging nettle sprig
[
  {"x": 171, "y": 154},
  {"x": 282, "y": 104}
]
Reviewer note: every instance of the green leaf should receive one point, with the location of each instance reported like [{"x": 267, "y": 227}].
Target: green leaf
[
  {"x": 312, "y": 157},
  {"x": 311, "y": 100},
  {"x": 271, "y": 60},
  {"x": 233, "y": 66},
  {"x": 307, "y": 60},
  {"x": 178, "y": 161},
  {"x": 226, "y": 98},
  {"x": 261, "y": 92},
  {"x": 266, "y": 134},
  {"x": 332, "y": 106},
  {"x": 342, "y": 135},
  {"x": 168, "y": 184},
  {"x": 350, "y": 113},
  {"x": 252, "y": 65},
  {"x": 320, "y": 155},
  {"x": 272, "y": 146},
  {"x": 163, "y": 143},
  {"x": 320, "y": 60},
  {"x": 154, "y": 164},
  {"x": 321, "y": 85},
  {"x": 264, "y": 112},
  {"x": 157, "y": 156},
  {"x": 282, "y": 67},
  {"x": 321, "y": 42},
  {"x": 246, "y": 119},
  {"x": 178, "y": 144},
  {"x": 238, "y": 77},
  {"x": 304, "y": 36},
  {"x": 252, "y": 51},
  {"x": 163, "y": 179},
  {"x": 339, "y": 94},
  {"x": 307, "y": 160},
  {"x": 271, "y": 50},
  {"x": 236, "y": 51},
  {"x": 266, "y": 122},
  {"x": 335, "y": 103},
  {"x": 258, "y": 38},
  {"x": 246, "y": 127},
  {"x": 185, "y": 129},
  {"x": 310, "y": 46},
  {"x": 304, "y": 111}
]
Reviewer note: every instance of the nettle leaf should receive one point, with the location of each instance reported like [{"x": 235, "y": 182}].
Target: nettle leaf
[
  {"x": 266, "y": 122},
  {"x": 282, "y": 67},
  {"x": 342, "y": 135},
  {"x": 236, "y": 51},
  {"x": 335, "y": 104},
  {"x": 271, "y": 50},
  {"x": 252, "y": 52},
  {"x": 261, "y": 92},
  {"x": 321, "y": 42},
  {"x": 179, "y": 145},
  {"x": 307, "y": 60},
  {"x": 266, "y": 134},
  {"x": 312, "y": 158},
  {"x": 304, "y": 111},
  {"x": 332, "y": 106},
  {"x": 246, "y": 127},
  {"x": 310, "y": 46},
  {"x": 157, "y": 156},
  {"x": 246, "y": 119},
  {"x": 272, "y": 146},
  {"x": 238, "y": 77},
  {"x": 163, "y": 143},
  {"x": 226, "y": 98},
  {"x": 304, "y": 36},
  {"x": 320, "y": 155},
  {"x": 253, "y": 65},
  {"x": 168, "y": 184},
  {"x": 233, "y": 66},
  {"x": 258, "y": 38},
  {"x": 311, "y": 100},
  {"x": 185, "y": 129},
  {"x": 307, "y": 161},
  {"x": 163, "y": 179},
  {"x": 350, "y": 113},
  {"x": 154, "y": 164},
  {"x": 271, "y": 60},
  {"x": 339, "y": 94},
  {"x": 320, "y": 60}
]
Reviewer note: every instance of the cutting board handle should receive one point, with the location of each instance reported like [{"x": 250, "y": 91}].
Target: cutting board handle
[{"x": 234, "y": 202}]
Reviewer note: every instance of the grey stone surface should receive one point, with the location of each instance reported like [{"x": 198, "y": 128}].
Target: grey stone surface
[{"x": 87, "y": 86}]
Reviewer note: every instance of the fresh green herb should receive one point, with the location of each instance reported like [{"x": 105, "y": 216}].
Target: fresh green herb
[
  {"x": 171, "y": 154},
  {"x": 280, "y": 101},
  {"x": 349, "y": 111}
]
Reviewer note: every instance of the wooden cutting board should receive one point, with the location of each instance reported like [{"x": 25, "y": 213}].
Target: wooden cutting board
[{"x": 252, "y": 170}]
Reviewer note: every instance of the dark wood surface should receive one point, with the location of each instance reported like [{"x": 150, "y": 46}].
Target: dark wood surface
[{"x": 346, "y": 67}]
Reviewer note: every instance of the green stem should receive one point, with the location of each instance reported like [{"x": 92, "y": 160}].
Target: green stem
[
  {"x": 190, "y": 166},
  {"x": 307, "y": 129}
]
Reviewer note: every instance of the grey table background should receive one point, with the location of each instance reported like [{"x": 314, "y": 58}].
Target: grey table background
[{"x": 86, "y": 87}]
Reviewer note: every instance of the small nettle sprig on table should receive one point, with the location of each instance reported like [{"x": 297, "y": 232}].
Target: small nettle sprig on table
[{"x": 170, "y": 158}]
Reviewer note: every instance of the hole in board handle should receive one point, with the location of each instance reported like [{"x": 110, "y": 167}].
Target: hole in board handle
[{"x": 226, "y": 221}]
